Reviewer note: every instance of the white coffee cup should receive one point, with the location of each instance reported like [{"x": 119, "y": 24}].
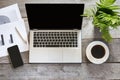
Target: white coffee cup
[{"x": 96, "y": 47}]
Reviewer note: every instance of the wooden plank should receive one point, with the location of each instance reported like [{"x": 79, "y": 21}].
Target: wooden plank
[
  {"x": 114, "y": 57},
  {"x": 21, "y": 3},
  {"x": 25, "y": 57},
  {"x": 108, "y": 71},
  {"x": 113, "y": 46},
  {"x": 84, "y": 71},
  {"x": 89, "y": 31},
  {"x": 88, "y": 28},
  {"x": 4, "y": 3}
]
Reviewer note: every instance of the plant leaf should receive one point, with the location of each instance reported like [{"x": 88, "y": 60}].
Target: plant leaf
[
  {"x": 115, "y": 7},
  {"x": 106, "y": 16},
  {"x": 107, "y": 2}
]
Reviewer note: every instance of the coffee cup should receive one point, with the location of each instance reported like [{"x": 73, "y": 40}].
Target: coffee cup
[{"x": 97, "y": 52}]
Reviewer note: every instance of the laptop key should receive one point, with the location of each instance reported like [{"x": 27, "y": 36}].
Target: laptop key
[{"x": 34, "y": 45}]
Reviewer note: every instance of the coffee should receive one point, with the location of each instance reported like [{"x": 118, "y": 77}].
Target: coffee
[{"x": 98, "y": 51}]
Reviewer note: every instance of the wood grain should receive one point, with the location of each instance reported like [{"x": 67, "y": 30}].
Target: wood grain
[
  {"x": 88, "y": 30},
  {"x": 107, "y": 71},
  {"x": 85, "y": 71},
  {"x": 114, "y": 47},
  {"x": 21, "y": 3}
]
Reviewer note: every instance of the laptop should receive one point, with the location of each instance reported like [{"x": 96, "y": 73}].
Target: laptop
[{"x": 55, "y": 32}]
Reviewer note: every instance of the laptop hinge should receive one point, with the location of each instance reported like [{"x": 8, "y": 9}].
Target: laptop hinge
[
  {"x": 76, "y": 29},
  {"x": 34, "y": 29}
]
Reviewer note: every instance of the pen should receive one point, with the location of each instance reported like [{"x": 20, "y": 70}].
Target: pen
[
  {"x": 2, "y": 40},
  {"x": 11, "y": 38},
  {"x": 20, "y": 35}
]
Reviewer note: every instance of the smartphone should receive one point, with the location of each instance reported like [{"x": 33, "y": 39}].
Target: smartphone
[{"x": 15, "y": 56}]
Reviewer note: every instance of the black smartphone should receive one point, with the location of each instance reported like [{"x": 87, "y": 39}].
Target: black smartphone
[{"x": 15, "y": 56}]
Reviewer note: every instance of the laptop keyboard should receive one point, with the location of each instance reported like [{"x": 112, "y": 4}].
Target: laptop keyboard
[{"x": 55, "y": 39}]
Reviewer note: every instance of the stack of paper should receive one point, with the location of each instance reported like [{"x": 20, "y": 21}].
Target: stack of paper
[{"x": 11, "y": 23}]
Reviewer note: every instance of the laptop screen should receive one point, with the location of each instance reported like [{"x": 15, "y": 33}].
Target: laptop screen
[{"x": 54, "y": 16}]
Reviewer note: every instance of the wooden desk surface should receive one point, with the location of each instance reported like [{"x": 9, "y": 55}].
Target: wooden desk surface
[{"x": 85, "y": 71}]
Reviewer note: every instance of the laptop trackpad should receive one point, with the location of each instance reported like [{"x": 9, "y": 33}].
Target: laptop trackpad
[
  {"x": 54, "y": 55},
  {"x": 71, "y": 55},
  {"x": 47, "y": 55}
]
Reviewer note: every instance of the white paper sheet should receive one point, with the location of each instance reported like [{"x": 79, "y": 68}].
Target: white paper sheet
[
  {"x": 10, "y": 18},
  {"x": 12, "y": 12},
  {"x": 6, "y": 30}
]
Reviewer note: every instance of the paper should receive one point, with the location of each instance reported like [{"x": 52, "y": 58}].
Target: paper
[
  {"x": 8, "y": 29},
  {"x": 10, "y": 20},
  {"x": 11, "y": 12}
]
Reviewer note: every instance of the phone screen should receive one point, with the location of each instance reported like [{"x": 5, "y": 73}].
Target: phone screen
[{"x": 15, "y": 56}]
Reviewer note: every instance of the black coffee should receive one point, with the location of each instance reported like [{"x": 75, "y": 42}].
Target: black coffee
[{"x": 98, "y": 51}]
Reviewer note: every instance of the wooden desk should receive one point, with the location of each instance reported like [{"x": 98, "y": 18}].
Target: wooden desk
[{"x": 85, "y": 71}]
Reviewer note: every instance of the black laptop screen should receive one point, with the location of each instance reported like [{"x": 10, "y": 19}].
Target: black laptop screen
[{"x": 54, "y": 16}]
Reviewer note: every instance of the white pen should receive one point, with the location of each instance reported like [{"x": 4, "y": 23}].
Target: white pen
[{"x": 20, "y": 35}]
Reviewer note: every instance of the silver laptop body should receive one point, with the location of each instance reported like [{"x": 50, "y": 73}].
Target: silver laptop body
[{"x": 55, "y": 33}]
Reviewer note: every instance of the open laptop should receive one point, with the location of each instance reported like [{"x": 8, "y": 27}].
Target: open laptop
[{"x": 55, "y": 32}]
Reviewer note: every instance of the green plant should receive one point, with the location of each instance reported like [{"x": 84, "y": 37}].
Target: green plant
[{"x": 105, "y": 16}]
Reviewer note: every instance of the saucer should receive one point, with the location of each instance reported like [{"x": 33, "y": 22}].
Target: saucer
[{"x": 93, "y": 59}]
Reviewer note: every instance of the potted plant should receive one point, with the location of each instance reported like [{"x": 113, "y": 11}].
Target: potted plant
[{"x": 105, "y": 17}]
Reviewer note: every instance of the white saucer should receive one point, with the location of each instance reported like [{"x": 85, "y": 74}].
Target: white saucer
[{"x": 93, "y": 59}]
